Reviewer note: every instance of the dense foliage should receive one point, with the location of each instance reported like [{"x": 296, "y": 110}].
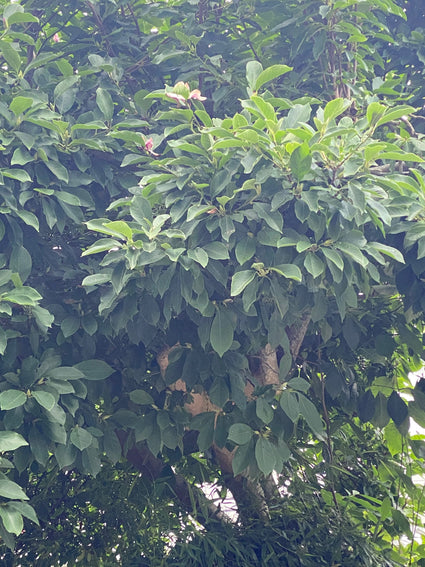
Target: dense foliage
[{"x": 212, "y": 283}]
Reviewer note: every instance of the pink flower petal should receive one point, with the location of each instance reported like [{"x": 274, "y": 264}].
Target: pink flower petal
[
  {"x": 177, "y": 97},
  {"x": 196, "y": 95}
]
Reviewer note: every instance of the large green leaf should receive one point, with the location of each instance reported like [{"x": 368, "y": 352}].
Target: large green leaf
[
  {"x": 290, "y": 271},
  {"x": 10, "y": 399},
  {"x": 45, "y": 399},
  {"x": 265, "y": 455},
  {"x": 81, "y": 438},
  {"x": 105, "y": 103},
  {"x": 269, "y": 74},
  {"x": 240, "y": 433},
  {"x": 11, "y": 490},
  {"x": 300, "y": 161},
  {"x": 253, "y": 72},
  {"x": 23, "y": 296},
  {"x": 141, "y": 397},
  {"x": 10, "y": 440},
  {"x": 94, "y": 369},
  {"x": 12, "y": 519},
  {"x": 240, "y": 280},
  {"x": 222, "y": 329},
  {"x": 335, "y": 108},
  {"x": 311, "y": 415}
]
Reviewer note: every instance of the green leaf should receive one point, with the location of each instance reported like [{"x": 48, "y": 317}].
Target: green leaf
[
  {"x": 96, "y": 279},
  {"x": 105, "y": 103},
  {"x": 81, "y": 438},
  {"x": 18, "y": 174},
  {"x": 400, "y": 156},
  {"x": 10, "y": 399},
  {"x": 94, "y": 369},
  {"x": 264, "y": 410},
  {"x": 381, "y": 417},
  {"x": 245, "y": 250},
  {"x": 199, "y": 255},
  {"x": 397, "y": 408},
  {"x": 314, "y": 265},
  {"x": 366, "y": 407},
  {"x": 374, "y": 112},
  {"x": 242, "y": 457},
  {"x": 65, "y": 85},
  {"x": 334, "y": 257},
  {"x": 240, "y": 280},
  {"x": 299, "y": 384},
  {"x": 289, "y": 271},
  {"x": 103, "y": 245},
  {"x": 289, "y": 404},
  {"x": 300, "y": 161},
  {"x": 351, "y": 333},
  {"x": 12, "y": 57},
  {"x": 196, "y": 210},
  {"x": 20, "y": 262},
  {"x": 394, "y": 439},
  {"x": 10, "y": 440},
  {"x": 221, "y": 334},
  {"x": 70, "y": 326},
  {"x": 45, "y": 399},
  {"x": 269, "y": 74},
  {"x": 20, "y": 104},
  {"x": 141, "y": 398},
  {"x": 58, "y": 170},
  {"x": 267, "y": 111},
  {"x": 65, "y": 373},
  {"x": 335, "y": 107},
  {"x": 11, "y": 490},
  {"x": 311, "y": 415},
  {"x": 395, "y": 114},
  {"x": 21, "y": 18},
  {"x": 12, "y": 519},
  {"x": 219, "y": 392},
  {"x": 352, "y": 251},
  {"x": 29, "y": 218},
  {"x": 90, "y": 461},
  {"x": 253, "y": 71},
  {"x": 217, "y": 250},
  {"x": 93, "y": 125},
  {"x": 25, "y": 509},
  {"x": 227, "y": 227},
  {"x": 112, "y": 446},
  {"x": 265, "y": 455},
  {"x": 121, "y": 228},
  {"x": 21, "y": 157},
  {"x": 69, "y": 198},
  {"x": 240, "y": 433},
  {"x": 272, "y": 218},
  {"x": 65, "y": 455},
  {"x": 22, "y": 296}
]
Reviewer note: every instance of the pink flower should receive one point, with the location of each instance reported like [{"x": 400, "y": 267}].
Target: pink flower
[
  {"x": 56, "y": 38},
  {"x": 149, "y": 147},
  {"x": 196, "y": 95},
  {"x": 177, "y": 97}
]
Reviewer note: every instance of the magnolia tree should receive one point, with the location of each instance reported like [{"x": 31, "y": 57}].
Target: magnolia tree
[{"x": 213, "y": 288}]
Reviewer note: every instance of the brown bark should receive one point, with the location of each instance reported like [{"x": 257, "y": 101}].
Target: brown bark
[
  {"x": 296, "y": 333},
  {"x": 249, "y": 495},
  {"x": 192, "y": 499},
  {"x": 268, "y": 369}
]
